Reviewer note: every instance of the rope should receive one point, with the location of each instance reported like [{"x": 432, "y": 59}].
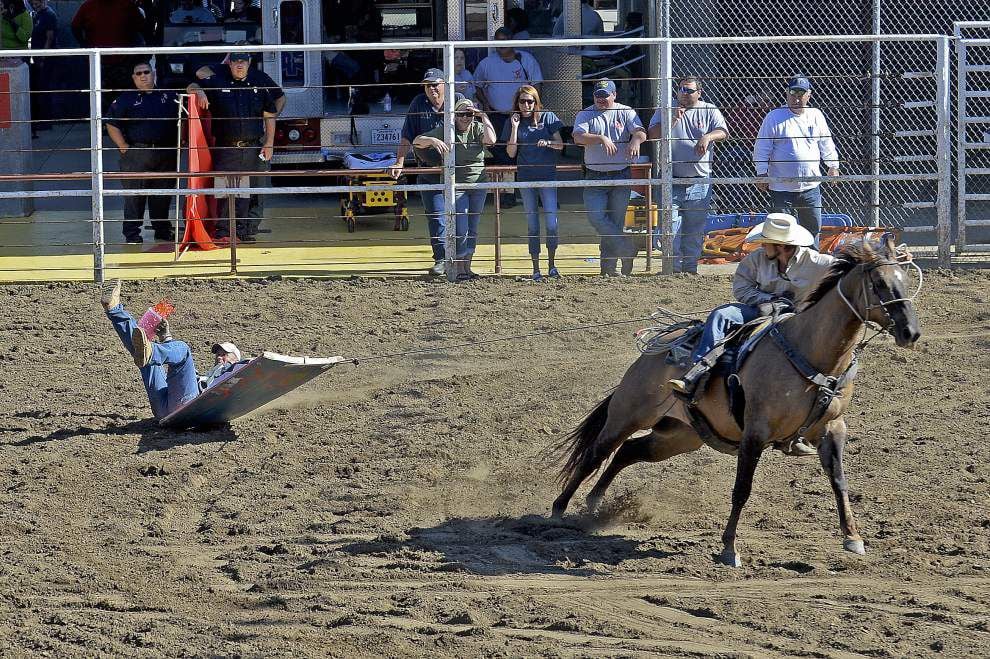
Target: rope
[{"x": 470, "y": 344}]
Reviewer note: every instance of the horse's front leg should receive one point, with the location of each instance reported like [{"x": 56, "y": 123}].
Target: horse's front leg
[
  {"x": 750, "y": 448},
  {"x": 830, "y": 452}
]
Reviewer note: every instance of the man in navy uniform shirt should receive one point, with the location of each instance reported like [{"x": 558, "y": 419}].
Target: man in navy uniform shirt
[
  {"x": 143, "y": 125},
  {"x": 244, "y": 103}
]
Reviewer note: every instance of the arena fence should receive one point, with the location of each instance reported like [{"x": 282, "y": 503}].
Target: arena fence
[{"x": 889, "y": 117}]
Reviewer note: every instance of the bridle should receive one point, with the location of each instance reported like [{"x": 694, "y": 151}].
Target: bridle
[{"x": 903, "y": 258}]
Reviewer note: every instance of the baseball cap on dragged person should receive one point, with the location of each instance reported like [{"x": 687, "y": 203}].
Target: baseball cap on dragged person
[
  {"x": 604, "y": 87},
  {"x": 799, "y": 82},
  {"x": 433, "y": 75},
  {"x": 227, "y": 347}
]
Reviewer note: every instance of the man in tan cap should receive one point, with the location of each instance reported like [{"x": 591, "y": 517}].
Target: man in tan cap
[{"x": 767, "y": 282}]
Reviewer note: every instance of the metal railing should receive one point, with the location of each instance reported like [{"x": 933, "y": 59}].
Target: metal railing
[{"x": 895, "y": 139}]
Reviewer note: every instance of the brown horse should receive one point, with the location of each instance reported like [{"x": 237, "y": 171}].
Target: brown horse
[{"x": 865, "y": 284}]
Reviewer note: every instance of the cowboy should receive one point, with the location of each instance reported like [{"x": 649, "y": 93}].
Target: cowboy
[
  {"x": 766, "y": 283},
  {"x": 167, "y": 368}
]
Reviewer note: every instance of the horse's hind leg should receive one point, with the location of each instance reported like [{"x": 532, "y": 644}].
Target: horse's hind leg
[
  {"x": 670, "y": 437},
  {"x": 616, "y": 430},
  {"x": 830, "y": 454}
]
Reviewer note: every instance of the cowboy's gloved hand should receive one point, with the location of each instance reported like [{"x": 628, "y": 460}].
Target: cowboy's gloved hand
[{"x": 775, "y": 307}]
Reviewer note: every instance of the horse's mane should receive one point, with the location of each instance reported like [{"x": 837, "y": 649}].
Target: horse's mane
[{"x": 846, "y": 260}]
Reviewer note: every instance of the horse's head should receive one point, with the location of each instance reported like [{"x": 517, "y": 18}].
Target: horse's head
[{"x": 877, "y": 290}]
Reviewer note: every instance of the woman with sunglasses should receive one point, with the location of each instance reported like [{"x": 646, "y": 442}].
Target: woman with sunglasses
[
  {"x": 473, "y": 132},
  {"x": 532, "y": 137}
]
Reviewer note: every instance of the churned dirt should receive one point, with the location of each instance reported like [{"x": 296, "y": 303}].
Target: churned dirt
[{"x": 398, "y": 507}]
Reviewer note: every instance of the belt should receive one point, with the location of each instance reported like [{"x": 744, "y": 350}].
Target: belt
[
  {"x": 152, "y": 145},
  {"x": 254, "y": 142}
]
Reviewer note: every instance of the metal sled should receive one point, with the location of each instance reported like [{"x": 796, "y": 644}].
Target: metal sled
[{"x": 261, "y": 381}]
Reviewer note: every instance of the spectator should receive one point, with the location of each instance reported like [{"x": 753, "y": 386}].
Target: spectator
[
  {"x": 167, "y": 388},
  {"x": 15, "y": 25},
  {"x": 245, "y": 103},
  {"x": 464, "y": 78},
  {"x": 497, "y": 78},
  {"x": 591, "y": 22},
  {"x": 696, "y": 126},
  {"x": 242, "y": 12},
  {"x": 426, "y": 113},
  {"x": 532, "y": 137},
  {"x": 517, "y": 22},
  {"x": 793, "y": 141},
  {"x": 611, "y": 134},
  {"x": 43, "y": 73},
  {"x": 110, "y": 24},
  {"x": 142, "y": 123},
  {"x": 473, "y": 131},
  {"x": 191, "y": 12}
]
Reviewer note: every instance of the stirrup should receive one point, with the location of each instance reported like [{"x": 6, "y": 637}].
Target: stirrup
[{"x": 798, "y": 449}]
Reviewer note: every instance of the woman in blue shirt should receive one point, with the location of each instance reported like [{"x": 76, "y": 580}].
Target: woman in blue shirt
[{"x": 532, "y": 136}]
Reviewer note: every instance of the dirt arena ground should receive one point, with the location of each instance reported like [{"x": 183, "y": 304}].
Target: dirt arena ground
[{"x": 398, "y": 507}]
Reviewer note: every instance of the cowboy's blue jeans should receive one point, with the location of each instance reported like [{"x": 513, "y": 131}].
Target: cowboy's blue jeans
[
  {"x": 721, "y": 322},
  {"x": 167, "y": 388},
  {"x": 806, "y": 206}
]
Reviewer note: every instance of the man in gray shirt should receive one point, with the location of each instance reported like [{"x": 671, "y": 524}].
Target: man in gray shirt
[
  {"x": 695, "y": 127},
  {"x": 611, "y": 134}
]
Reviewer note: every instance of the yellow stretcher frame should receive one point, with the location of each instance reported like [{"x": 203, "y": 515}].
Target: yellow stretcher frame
[{"x": 358, "y": 203}]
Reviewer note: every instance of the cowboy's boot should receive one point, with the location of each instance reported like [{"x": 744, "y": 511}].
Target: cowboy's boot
[
  {"x": 627, "y": 266},
  {"x": 686, "y": 383},
  {"x": 799, "y": 448},
  {"x": 142, "y": 347},
  {"x": 110, "y": 294}
]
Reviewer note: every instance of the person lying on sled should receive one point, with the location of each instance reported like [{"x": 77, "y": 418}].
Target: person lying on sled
[
  {"x": 167, "y": 367},
  {"x": 767, "y": 282}
]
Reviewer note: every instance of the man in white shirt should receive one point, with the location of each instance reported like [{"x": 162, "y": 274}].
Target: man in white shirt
[
  {"x": 611, "y": 134},
  {"x": 793, "y": 141},
  {"x": 695, "y": 128}
]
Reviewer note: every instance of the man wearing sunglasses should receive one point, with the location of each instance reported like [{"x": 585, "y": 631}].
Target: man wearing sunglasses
[
  {"x": 142, "y": 123},
  {"x": 695, "y": 127},
  {"x": 426, "y": 113},
  {"x": 793, "y": 141}
]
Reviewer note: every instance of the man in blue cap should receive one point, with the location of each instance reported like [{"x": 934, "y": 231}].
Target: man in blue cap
[
  {"x": 793, "y": 141},
  {"x": 611, "y": 134},
  {"x": 426, "y": 113}
]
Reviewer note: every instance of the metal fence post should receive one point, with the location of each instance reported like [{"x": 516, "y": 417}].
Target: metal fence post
[
  {"x": 960, "y": 141},
  {"x": 96, "y": 163},
  {"x": 449, "y": 169},
  {"x": 666, "y": 166},
  {"x": 875, "y": 119},
  {"x": 943, "y": 156}
]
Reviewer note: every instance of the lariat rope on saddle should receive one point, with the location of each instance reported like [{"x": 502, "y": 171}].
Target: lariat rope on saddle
[{"x": 656, "y": 339}]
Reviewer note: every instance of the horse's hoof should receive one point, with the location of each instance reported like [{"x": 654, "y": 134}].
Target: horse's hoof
[
  {"x": 855, "y": 546},
  {"x": 593, "y": 503},
  {"x": 730, "y": 558}
]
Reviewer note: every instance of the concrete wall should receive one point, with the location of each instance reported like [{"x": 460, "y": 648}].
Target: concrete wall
[{"x": 15, "y": 137}]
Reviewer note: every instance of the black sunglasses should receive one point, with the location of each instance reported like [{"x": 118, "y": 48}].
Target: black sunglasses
[
  {"x": 464, "y": 115},
  {"x": 688, "y": 90},
  {"x": 142, "y": 73}
]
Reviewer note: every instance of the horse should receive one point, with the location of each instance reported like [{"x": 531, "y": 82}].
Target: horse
[{"x": 865, "y": 285}]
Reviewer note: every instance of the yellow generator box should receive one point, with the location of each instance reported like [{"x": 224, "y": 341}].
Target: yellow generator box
[{"x": 636, "y": 219}]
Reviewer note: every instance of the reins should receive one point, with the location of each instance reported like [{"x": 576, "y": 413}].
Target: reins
[{"x": 903, "y": 258}]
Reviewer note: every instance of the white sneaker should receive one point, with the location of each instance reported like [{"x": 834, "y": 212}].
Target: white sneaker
[{"x": 439, "y": 268}]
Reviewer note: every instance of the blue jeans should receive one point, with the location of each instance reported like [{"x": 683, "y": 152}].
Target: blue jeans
[
  {"x": 807, "y": 206},
  {"x": 467, "y": 208},
  {"x": 690, "y": 206},
  {"x": 606, "y": 208},
  {"x": 436, "y": 221},
  {"x": 530, "y": 206},
  {"x": 721, "y": 322},
  {"x": 167, "y": 389}
]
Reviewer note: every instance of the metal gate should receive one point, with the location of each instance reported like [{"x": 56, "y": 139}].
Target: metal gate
[{"x": 972, "y": 136}]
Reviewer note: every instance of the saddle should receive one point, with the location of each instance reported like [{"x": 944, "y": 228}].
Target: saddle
[{"x": 728, "y": 358}]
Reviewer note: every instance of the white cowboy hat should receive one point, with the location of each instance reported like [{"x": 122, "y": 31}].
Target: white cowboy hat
[{"x": 780, "y": 229}]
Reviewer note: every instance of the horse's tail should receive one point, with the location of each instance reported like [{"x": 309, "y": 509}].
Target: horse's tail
[{"x": 581, "y": 441}]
